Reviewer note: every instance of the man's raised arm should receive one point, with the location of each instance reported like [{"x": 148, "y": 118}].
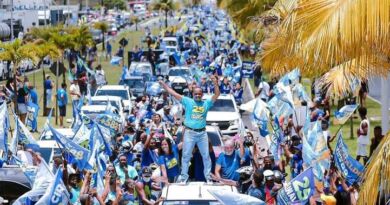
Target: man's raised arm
[{"x": 170, "y": 90}]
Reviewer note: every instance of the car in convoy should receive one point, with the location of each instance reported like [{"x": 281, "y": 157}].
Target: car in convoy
[
  {"x": 136, "y": 85},
  {"x": 193, "y": 193},
  {"x": 97, "y": 35},
  {"x": 14, "y": 182},
  {"x": 143, "y": 69},
  {"x": 225, "y": 114},
  {"x": 97, "y": 113},
  {"x": 114, "y": 101},
  {"x": 178, "y": 77},
  {"x": 121, "y": 91},
  {"x": 47, "y": 135}
]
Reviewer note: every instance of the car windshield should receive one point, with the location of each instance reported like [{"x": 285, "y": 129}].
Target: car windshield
[
  {"x": 179, "y": 72},
  {"x": 135, "y": 83},
  {"x": 214, "y": 138},
  {"x": 104, "y": 102},
  {"x": 118, "y": 93},
  {"x": 93, "y": 112},
  {"x": 223, "y": 105}
]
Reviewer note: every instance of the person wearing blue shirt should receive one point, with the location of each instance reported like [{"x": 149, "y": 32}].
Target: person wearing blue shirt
[
  {"x": 34, "y": 99},
  {"x": 296, "y": 162},
  {"x": 148, "y": 154},
  {"x": 225, "y": 87},
  {"x": 109, "y": 50},
  {"x": 62, "y": 98},
  {"x": 48, "y": 87},
  {"x": 195, "y": 122},
  {"x": 169, "y": 160},
  {"x": 238, "y": 91},
  {"x": 229, "y": 161}
]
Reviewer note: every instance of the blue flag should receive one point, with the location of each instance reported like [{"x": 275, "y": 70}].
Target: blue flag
[
  {"x": 32, "y": 115},
  {"x": 115, "y": 60},
  {"x": 24, "y": 136},
  {"x": 99, "y": 135},
  {"x": 79, "y": 154},
  {"x": 291, "y": 77},
  {"x": 57, "y": 194},
  {"x": 342, "y": 115},
  {"x": 348, "y": 166},
  {"x": 4, "y": 123},
  {"x": 298, "y": 190},
  {"x": 153, "y": 88}
]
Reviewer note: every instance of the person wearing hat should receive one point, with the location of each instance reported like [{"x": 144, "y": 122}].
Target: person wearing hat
[
  {"x": 195, "y": 122},
  {"x": 144, "y": 187},
  {"x": 49, "y": 85},
  {"x": 269, "y": 189}
]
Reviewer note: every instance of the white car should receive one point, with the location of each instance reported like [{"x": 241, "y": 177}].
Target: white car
[
  {"x": 193, "y": 193},
  {"x": 170, "y": 41},
  {"x": 121, "y": 91},
  {"x": 224, "y": 114},
  {"x": 178, "y": 77},
  {"x": 114, "y": 101},
  {"x": 47, "y": 135},
  {"x": 141, "y": 68},
  {"x": 93, "y": 111},
  {"x": 47, "y": 149}
]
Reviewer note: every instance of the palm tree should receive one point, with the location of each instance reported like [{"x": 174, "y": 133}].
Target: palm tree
[
  {"x": 135, "y": 20},
  {"x": 15, "y": 52},
  {"x": 103, "y": 27},
  {"x": 166, "y": 6}
]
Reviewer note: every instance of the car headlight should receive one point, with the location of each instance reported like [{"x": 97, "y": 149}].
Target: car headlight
[{"x": 234, "y": 122}]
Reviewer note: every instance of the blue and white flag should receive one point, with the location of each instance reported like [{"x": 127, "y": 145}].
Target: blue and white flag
[
  {"x": 57, "y": 194},
  {"x": 260, "y": 116},
  {"x": 234, "y": 198},
  {"x": 298, "y": 190},
  {"x": 82, "y": 63},
  {"x": 24, "y": 136},
  {"x": 98, "y": 134},
  {"x": 79, "y": 154},
  {"x": 32, "y": 115},
  {"x": 4, "y": 123},
  {"x": 291, "y": 77},
  {"x": 348, "y": 166},
  {"x": 153, "y": 88},
  {"x": 342, "y": 115},
  {"x": 81, "y": 137}
]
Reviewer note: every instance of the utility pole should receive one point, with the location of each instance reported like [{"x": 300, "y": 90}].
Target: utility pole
[{"x": 12, "y": 20}]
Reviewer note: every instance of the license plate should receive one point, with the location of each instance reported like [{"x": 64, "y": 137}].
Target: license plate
[{"x": 177, "y": 87}]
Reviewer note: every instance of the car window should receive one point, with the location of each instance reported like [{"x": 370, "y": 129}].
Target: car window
[
  {"x": 179, "y": 72},
  {"x": 119, "y": 93},
  {"x": 104, "y": 102},
  {"x": 223, "y": 105},
  {"x": 214, "y": 138},
  {"x": 135, "y": 83}
]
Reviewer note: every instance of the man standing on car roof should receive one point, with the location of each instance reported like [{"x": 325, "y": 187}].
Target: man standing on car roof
[{"x": 195, "y": 126}]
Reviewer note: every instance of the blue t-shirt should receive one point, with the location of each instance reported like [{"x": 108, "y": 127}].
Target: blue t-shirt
[
  {"x": 33, "y": 96},
  {"x": 48, "y": 84},
  {"x": 62, "y": 97},
  {"x": 238, "y": 95},
  {"x": 225, "y": 89},
  {"x": 171, "y": 162},
  {"x": 196, "y": 112},
  {"x": 229, "y": 165},
  {"x": 148, "y": 157}
]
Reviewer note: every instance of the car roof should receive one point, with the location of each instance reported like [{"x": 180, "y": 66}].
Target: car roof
[
  {"x": 106, "y": 98},
  {"x": 94, "y": 107},
  {"x": 193, "y": 191},
  {"x": 48, "y": 144},
  {"x": 112, "y": 87},
  {"x": 140, "y": 63},
  {"x": 169, "y": 39},
  {"x": 179, "y": 67}
]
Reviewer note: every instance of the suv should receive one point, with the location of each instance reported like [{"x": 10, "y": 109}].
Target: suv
[
  {"x": 193, "y": 193},
  {"x": 177, "y": 77},
  {"x": 121, "y": 91},
  {"x": 225, "y": 114},
  {"x": 114, "y": 101},
  {"x": 136, "y": 85},
  {"x": 141, "y": 68}
]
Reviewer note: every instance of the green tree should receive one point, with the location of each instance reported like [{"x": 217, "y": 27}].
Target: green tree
[
  {"x": 111, "y": 4},
  {"x": 135, "y": 20},
  {"x": 16, "y": 52},
  {"x": 103, "y": 27},
  {"x": 166, "y": 6}
]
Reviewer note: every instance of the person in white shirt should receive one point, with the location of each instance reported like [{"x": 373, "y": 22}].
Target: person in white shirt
[
  {"x": 100, "y": 76},
  {"x": 363, "y": 133},
  {"x": 263, "y": 91},
  {"x": 75, "y": 94},
  {"x": 25, "y": 156}
]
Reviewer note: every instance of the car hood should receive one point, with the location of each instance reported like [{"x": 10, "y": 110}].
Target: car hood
[{"x": 222, "y": 116}]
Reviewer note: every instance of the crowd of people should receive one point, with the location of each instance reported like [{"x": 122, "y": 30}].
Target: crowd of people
[{"x": 165, "y": 141}]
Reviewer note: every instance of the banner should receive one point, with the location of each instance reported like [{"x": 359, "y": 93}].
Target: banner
[
  {"x": 348, "y": 166},
  {"x": 112, "y": 122},
  {"x": 57, "y": 194},
  {"x": 79, "y": 154},
  {"x": 25, "y": 137},
  {"x": 344, "y": 114},
  {"x": 298, "y": 190},
  {"x": 247, "y": 69},
  {"x": 32, "y": 115}
]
